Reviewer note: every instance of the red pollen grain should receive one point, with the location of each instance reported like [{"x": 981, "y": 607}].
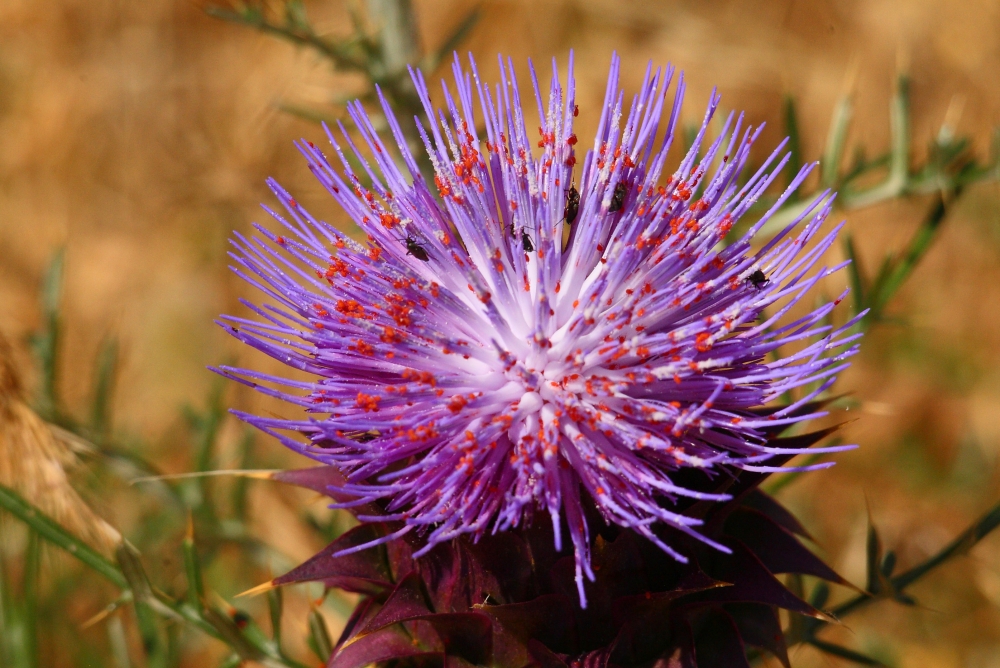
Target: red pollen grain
[
  {"x": 350, "y": 308},
  {"x": 368, "y": 402}
]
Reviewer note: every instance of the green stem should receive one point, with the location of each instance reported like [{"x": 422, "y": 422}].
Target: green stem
[
  {"x": 50, "y": 530},
  {"x": 157, "y": 601},
  {"x": 918, "y": 246},
  {"x": 299, "y": 35},
  {"x": 964, "y": 542}
]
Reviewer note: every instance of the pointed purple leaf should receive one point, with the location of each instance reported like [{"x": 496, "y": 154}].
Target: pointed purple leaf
[
  {"x": 399, "y": 554},
  {"x": 508, "y": 558},
  {"x": 719, "y": 643},
  {"x": 388, "y": 643},
  {"x": 318, "y": 479},
  {"x": 548, "y": 619},
  {"x": 360, "y": 616},
  {"x": 760, "y": 627},
  {"x": 751, "y": 583},
  {"x": 406, "y": 601},
  {"x": 598, "y": 658},
  {"x": 649, "y": 622},
  {"x": 767, "y": 504},
  {"x": 655, "y": 605},
  {"x": 363, "y": 572},
  {"x": 456, "y": 579},
  {"x": 468, "y": 635},
  {"x": 716, "y": 513},
  {"x": 776, "y": 547}
]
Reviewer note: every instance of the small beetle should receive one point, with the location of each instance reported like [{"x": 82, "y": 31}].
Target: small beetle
[
  {"x": 618, "y": 198},
  {"x": 572, "y": 205},
  {"x": 757, "y": 279},
  {"x": 526, "y": 243},
  {"x": 415, "y": 249}
]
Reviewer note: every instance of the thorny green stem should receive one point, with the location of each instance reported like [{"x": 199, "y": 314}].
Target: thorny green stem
[
  {"x": 961, "y": 545},
  {"x": 384, "y": 58},
  {"x": 138, "y": 588}
]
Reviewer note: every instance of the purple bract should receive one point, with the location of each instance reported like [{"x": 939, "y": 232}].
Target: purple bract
[{"x": 481, "y": 358}]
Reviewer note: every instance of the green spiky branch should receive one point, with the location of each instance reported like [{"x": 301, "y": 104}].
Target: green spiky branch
[
  {"x": 382, "y": 55},
  {"x": 152, "y": 606},
  {"x": 883, "y": 584},
  {"x": 950, "y": 169}
]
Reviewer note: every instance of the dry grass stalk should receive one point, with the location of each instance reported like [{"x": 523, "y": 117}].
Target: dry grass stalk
[{"x": 34, "y": 461}]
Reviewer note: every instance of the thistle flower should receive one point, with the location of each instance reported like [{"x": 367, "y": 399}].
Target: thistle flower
[{"x": 541, "y": 333}]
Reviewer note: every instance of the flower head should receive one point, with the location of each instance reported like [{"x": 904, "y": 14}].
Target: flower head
[{"x": 540, "y": 332}]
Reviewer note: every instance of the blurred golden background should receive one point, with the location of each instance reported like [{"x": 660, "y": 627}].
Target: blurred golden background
[{"x": 137, "y": 136}]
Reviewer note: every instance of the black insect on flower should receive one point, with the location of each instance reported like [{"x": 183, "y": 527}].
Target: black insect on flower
[
  {"x": 526, "y": 243},
  {"x": 572, "y": 205},
  {"x": 757, "y": 280},
  {"x": 414, "y": 248},
  {"x": 618, "y": 197}
]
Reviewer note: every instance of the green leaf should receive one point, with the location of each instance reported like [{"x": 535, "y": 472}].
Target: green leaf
[
  {"x": 888, "y": 563},
  {"x": 150, "y": 630},
  {"x": 9, "y": 632},
  {"x": 18, "y": 613},
  {"x": 897, "y": 180},
  {"x": 833, "y": 154},
  {"x": 917, "y": 248},
  {"x": 794, "y": 141},
  {"x": 53, "y": 532},
  {"x": 196, "y": 588},
  {"x": 820, "y": 595},
  {"x": 275, "y": 605},
  {"x": 29, "y": 606},
  {"x": 208, "y": 426},
  {"x": 231, "y": 661},
  {"x": 241, "y": 486},
  {"x": 300, "y": 34},
  {"x": 46, "y": 341},
  {"x": 964, "y": 542},
  {"x": 118, "y": 642},
  {"x": 319, "y": 636},
  {"x": 295, "y": 15},
  {"x": 899, "y": 165},
  {"x": 873, "y": 552},
  {"x": 855, "y": 272},
  {"x": 103, "y": 392},
  {"x": 205, "y": 427},
  {"x": 231, "y": 634}
]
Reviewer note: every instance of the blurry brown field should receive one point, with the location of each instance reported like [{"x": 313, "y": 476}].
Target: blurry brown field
[{"x": 137, "y": 136}]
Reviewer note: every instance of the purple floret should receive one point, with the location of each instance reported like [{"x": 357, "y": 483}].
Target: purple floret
[{"x": 480, "y": 359}]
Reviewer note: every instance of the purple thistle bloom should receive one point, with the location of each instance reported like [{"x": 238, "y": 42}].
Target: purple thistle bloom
[{"x": 481, "y": 358}]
